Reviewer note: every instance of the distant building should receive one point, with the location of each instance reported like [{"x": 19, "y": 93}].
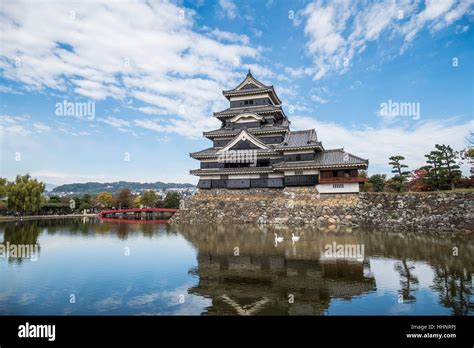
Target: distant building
[{"x": 254, "y": 147}]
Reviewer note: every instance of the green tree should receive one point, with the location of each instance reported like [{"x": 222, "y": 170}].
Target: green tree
[
  {"x": 160, "y": 203},
  {"x": 401, "y": 175},
  {"x": 378, "y": 182},
  {"x": 85, "y": 202},
  {"x": 86, "y": 198},
  {"x": 3, "y": 187},
  {"x": 104, "y": 199},
  {"x": 468, "y": 153},
  {"x": 367, "y": 187},
  {"x": 25, "y": 194},
  {"x": 443, "y": 168},
  {"x": 449, "y": 160},
  {"x": 172, "y": 200},
  {"x": 54, "y": 199},
  {"x": 149, "y": 199},
  {"x": 124, "y": 199},
  {"x": 137, "y": 202},
  {"x": 433, "y": 175}
]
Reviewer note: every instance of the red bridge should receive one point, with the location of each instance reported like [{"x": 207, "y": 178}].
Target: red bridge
[{"x": 137, "y": 210}]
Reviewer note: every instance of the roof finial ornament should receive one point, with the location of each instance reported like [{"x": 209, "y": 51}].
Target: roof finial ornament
[{"x": 249, "y": 73}]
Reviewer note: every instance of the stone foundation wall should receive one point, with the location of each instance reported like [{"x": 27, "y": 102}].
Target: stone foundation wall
[
  {"x": 295, "y": 206},
  {"x": 446, "y": 212},
  {"x": 441, "y": 211}
]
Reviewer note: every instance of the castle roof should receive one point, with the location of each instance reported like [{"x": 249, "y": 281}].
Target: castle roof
[
  {"x": 336, "y": 158},
  {"x": 212, "y": 152},
  {"x": 264, "y": 129},
  {"x": 250, "y": 86},
  {"x": 303, "y": 138},
  {"x": 260, "y": 109}
]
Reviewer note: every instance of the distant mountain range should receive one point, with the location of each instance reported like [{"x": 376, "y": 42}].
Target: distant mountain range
[{"x": 114, "y": 187}]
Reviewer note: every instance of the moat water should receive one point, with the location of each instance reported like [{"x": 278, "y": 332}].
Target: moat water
[{"x": 89, "y": 266}]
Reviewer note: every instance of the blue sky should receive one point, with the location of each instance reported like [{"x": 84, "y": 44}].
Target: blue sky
[{"x": 155, "y": 71}]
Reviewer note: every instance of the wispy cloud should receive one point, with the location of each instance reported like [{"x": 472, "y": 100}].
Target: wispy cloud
[
  {"x": 175, "y": 69},
  {"x": 228, "y": 36},
  {"x": 227, "y": 8},
  {"x": 378, "y": 143},
  {"x": 338, "y": 31},
  {"x": 115, "y": 122},
  {"x": 120, "y": 124},
  {"x": 22, "y": 126}
]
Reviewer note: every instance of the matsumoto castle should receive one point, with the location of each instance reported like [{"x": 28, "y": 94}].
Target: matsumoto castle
[{"x": 254, "y": 147}]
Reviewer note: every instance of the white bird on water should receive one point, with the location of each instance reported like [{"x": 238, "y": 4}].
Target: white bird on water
[
  {"x": 294, "y": 238},
  {"x": 278, "y": 239}
]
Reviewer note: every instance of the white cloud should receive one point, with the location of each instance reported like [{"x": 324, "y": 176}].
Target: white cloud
[
  {"x": 115, "y": 122},
  {"x": 379, "y": 143},
  {"x": 13, "y": 126},
  {"x": 318, "y": 99},
  {"x": 120, "y": 124},
  {"x": 16, "y": 130},
  {"x": 63, "y": 175},
  {"x": 41, "y": 127},
  {"x": 9, "y": 90},
  {"x": 338, "y": 31},
  {"x": 318, "y": 94},
  {"x": 152, "y": 52},
  {"x": 192, "y": 130},
  {"x": 59, "y": 178},
  {"x": 228, "y": 36},
  {"x": 227, "y": 9}
]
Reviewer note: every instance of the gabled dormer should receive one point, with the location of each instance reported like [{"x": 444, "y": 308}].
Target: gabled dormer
[{"x": 245, "y": 140}]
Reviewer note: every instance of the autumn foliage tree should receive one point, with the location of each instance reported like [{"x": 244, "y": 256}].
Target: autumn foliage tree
[
  {"x": 104, "y": 200},
  {"x": 123, "y": 199}
]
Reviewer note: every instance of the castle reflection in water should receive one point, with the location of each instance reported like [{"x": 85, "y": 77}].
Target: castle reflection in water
[
  {"x": 262, "y": 278},
  {"x": 243, "y": 271}
]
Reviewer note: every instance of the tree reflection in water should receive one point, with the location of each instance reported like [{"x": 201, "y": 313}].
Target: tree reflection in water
[
  {"x": 259, "y": 278},
  {"x": 408, "y": 281},
  {"x": 455, "y": 288},
  {"x": 18, "y": 234}
]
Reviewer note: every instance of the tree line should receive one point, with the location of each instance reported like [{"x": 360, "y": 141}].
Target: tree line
[
  {"x": 25, "y": 195},
  {"x": 441, "y": 172},
  {"x": 148, "y": 199}
]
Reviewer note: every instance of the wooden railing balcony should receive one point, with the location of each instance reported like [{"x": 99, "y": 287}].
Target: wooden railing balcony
[{"x": 342, "y": 179}]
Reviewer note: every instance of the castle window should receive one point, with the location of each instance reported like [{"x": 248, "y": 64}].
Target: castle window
[{"x": 337, "y": 185}]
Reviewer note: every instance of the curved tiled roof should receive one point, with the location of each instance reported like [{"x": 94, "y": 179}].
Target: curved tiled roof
[
  {"x": 304, "y": 138},
  {"x": 212, "y": 152},
  {"x": 338, "y": 156},
  {"x": 246, "y": 170},
  {"x": 230, "y": 112},
  {"x": 256, "y": 130},
  {"x": 327, "y": 158}
]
